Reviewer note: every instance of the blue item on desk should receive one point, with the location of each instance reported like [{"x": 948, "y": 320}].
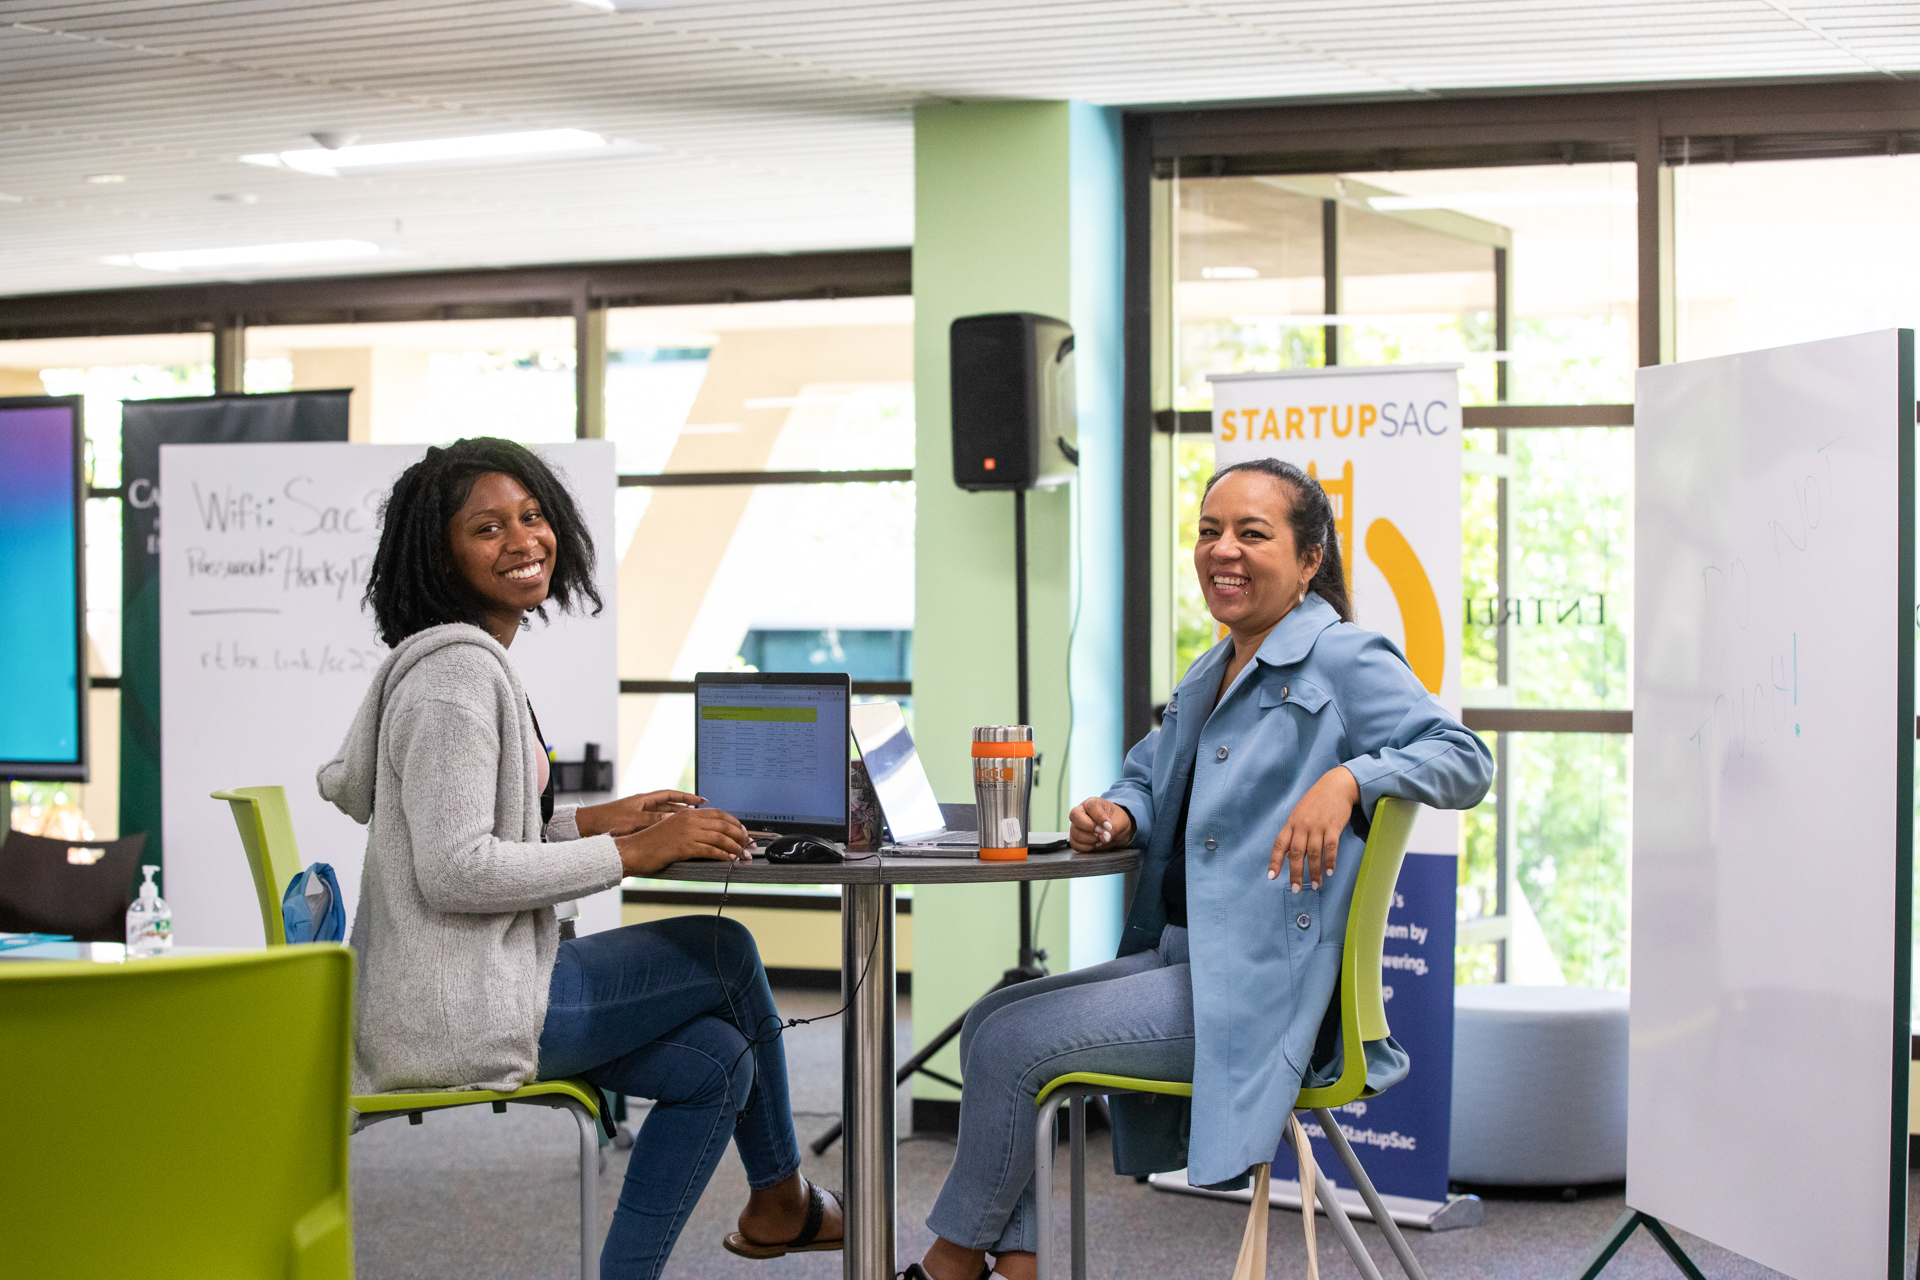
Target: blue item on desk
[
  {"x": 311, "y": 907},
  {"x": 792, "y": 849},
  {"x": 10, "y": 941}
]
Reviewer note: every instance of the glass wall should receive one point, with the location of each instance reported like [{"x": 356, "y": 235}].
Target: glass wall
[
  {"x": 1526, "y": 274},
  {"x": 1773, "y": 252},
  {"x": 430, "y": 382},
  {"x": 720, "y": 571}
]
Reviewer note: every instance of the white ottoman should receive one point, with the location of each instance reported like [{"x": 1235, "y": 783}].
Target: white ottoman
[{"x": 1539, "y": 1085}]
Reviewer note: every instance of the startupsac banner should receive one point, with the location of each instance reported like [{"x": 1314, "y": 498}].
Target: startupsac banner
[{"x": 1384, "y": 443}]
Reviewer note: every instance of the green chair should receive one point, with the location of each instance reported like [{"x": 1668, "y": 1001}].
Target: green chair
[
  {"x": 227, "y": 1155},
  {"x": 1363, "y": 1017},
  {"x": 266, "y": 830}
]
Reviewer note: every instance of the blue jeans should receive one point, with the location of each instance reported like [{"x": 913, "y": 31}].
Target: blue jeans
[
  {"x": 1127, "y": 1017},
  {"x": 669, "y": 1011}
]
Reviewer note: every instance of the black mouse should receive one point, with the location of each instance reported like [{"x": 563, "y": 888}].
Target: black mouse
[{"x": 790, "y": 849}]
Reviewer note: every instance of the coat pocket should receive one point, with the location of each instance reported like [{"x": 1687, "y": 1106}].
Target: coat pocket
[{"x": 1306, "y": 695}]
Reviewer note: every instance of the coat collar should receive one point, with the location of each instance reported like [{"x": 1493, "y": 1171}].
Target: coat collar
[
  {"x": 1289, "y": 642},
  {"x": 1293, "y": 639}
]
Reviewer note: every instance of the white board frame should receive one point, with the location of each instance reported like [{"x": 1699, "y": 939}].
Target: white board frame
[{"x": 1774, "y": 725}]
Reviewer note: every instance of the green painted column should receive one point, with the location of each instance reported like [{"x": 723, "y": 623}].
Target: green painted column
[{"x": 1017, "y": 208}]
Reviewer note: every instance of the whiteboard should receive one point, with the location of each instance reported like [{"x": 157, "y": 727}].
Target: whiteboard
[
  {"x": 1772, "y": 801},
  {"x": 265, "y": 654}
]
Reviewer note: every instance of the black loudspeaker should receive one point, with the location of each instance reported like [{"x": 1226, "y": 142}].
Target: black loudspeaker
[{"x": 1013, "y": 401}]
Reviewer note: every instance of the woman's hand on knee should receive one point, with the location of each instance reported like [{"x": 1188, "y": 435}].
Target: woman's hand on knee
[
  {"x": 708, "y": 834},
  {"x": 1309, "y": 843},
  {"x": 631, "y": 813},
  {"x": 1098, "y": 824}
]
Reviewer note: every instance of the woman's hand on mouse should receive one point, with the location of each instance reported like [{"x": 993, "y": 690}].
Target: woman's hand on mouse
[
  {"x": 686, "y": 835},
  {"x": 1309, "y": 843},
  {"x": 1098, "y": 824},
  {"x": 631, "y": 813}
]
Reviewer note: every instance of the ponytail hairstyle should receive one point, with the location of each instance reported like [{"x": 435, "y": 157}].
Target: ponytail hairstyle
[{"x": 1310, "y": 516}]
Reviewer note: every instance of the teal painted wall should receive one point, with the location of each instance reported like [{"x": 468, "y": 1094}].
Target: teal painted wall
[{"x": 1017, "y": 209}]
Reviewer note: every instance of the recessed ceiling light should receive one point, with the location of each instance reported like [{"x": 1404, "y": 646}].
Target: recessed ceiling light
[
  {"x": 1229, "y": 273},
  {"x": 1503, "y": 199},
  {"x": 106, "y": 179},
  {"x": 247, "y": 255},
  {"x": 492, "y": 146}
]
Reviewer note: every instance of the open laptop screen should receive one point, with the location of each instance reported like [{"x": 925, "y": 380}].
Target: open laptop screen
[
  {"x": 899, "y": 779},
  {"x": 772, "y": 749}
]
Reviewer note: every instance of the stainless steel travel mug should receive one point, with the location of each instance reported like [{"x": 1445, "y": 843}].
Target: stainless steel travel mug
[{"x": 1003, "y": 764}]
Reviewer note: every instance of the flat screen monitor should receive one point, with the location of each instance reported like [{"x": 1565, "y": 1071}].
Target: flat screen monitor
[
  {"x": 43, "y": 686},
  {"x": 772, "y": 749}
]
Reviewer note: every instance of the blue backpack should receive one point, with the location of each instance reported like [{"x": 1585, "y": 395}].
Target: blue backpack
[{"x": 311, "y": 909}]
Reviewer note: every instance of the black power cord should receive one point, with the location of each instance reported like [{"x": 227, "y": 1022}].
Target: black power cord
[{"x": 759, "y": 1036}]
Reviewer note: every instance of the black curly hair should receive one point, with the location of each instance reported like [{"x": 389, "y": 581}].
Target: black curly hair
[
  {"x": 414, "y": 583},
  {"x": 1310, "y": 516}
]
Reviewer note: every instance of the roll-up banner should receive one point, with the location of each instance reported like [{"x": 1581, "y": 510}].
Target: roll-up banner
[
  {"x": 145, "y": 425},
  {"x": 1384, "y": 442}
]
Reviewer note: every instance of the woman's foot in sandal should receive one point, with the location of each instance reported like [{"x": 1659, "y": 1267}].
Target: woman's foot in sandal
[
  {"x": 794, "y": 1216},
  {"x": 948, "y": 1261}
]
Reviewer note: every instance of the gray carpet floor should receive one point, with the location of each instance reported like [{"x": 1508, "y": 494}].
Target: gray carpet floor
[{"x": 473, "y": 1195}]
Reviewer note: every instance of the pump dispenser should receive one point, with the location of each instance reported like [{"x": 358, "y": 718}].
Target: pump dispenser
[{"x": 149, "y": 921}]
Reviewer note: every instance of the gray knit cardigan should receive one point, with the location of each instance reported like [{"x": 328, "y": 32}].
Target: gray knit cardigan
[{"x": 455, "y": 927}]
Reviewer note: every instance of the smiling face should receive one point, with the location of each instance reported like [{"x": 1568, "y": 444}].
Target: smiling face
[
  {"x": 504, "y": 549},
  {"x": 1250, "y": 571}
]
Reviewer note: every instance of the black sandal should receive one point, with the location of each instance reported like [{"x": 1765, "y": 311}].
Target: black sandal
[
  {"x": 915, "y": 1271},
  {"x": 805, "y": 1242}
]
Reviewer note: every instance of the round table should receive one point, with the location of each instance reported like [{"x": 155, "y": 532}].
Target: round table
[{"x": 867, "y": 1050}]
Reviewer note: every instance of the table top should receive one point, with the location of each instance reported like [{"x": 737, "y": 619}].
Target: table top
[{"x": 882, "y": 869}]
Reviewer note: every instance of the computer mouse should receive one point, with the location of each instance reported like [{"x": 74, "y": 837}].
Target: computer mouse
[{"x": 791, "y": 849}]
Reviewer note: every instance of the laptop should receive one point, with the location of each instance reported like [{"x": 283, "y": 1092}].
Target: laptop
[
  {"x": 771, "y": 748},
  {"x": 907, "y": 804}
]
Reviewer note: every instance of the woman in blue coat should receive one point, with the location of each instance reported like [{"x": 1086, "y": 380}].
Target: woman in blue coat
[{"x": 1251, "y": 801}]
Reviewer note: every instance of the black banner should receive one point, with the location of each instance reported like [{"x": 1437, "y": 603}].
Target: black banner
[{"x": 145, "y": 425}]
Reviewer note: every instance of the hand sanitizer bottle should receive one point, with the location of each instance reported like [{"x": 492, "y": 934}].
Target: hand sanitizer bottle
[{"x": 149, "y": 922}]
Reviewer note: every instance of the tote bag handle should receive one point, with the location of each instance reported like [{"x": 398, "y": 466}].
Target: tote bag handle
[{"x": 1252, "y": 1264}]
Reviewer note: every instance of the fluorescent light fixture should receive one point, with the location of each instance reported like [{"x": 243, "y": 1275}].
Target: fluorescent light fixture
[
  {"x": 1502, "y": 200},
  {"x": 262, "y": 255},
  {"x": 106, "y": 179},
  {"x": 5, "y": 198},
  {"x": 491, "y": 146},
  {"x": 1229, "y": 273}
]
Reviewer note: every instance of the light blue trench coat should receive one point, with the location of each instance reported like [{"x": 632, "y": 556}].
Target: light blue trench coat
[{"x": 1266, "y": 961}]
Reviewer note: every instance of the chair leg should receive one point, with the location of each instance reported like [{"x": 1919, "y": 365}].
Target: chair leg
[
  {"x": 1077, "y": 1183},
  {"x": 1043, "y": 1186},
  {"x": 589, "y": 1191},
  {"x": 1381, "y": 1218},
  {"x": 1328, "y": 1196}
]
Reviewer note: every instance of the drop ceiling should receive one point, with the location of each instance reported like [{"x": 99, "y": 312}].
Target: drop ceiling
[{"x": 735, "y": 126}]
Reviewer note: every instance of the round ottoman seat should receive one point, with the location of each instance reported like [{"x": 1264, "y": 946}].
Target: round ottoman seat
[{"x": 1539, "y": 1085}]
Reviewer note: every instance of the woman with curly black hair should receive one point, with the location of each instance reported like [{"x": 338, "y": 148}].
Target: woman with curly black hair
[{"x": 467, "y": 979}]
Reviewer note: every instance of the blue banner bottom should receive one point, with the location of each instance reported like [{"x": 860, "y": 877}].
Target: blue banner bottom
[{"x": 1402, "y": 1136}]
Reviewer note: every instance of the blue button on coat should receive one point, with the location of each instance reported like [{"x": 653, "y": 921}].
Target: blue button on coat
[{"x": 1319, "y": 693}]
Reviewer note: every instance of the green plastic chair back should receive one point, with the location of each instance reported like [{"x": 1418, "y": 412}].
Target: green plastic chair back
[
  {"x": 230, "y": 1074},
  {"x": 1363, "y": 1006},
  {"x": 266, "y": 830}
]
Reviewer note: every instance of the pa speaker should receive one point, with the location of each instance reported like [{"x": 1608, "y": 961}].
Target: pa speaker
[{"x": 1013, "y": 401}]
